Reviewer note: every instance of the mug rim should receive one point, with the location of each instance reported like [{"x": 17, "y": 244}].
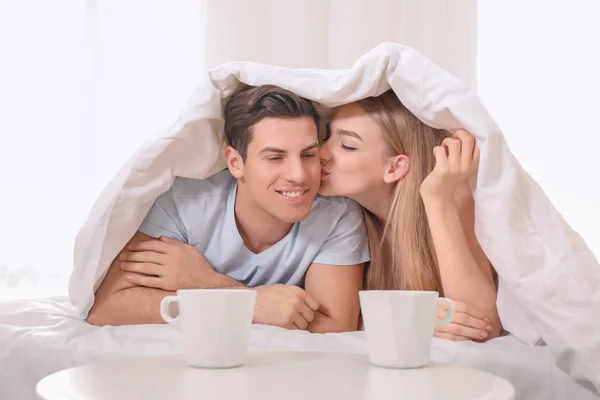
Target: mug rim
[
  {"x": 216, "y": 290},
  {"x": 400, "y": 292}
]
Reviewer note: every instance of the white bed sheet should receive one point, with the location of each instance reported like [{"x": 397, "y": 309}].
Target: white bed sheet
[{"x": 39, "y": 337}]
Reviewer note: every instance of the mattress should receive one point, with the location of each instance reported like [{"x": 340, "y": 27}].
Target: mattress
[{"x": 40, "y": 337}]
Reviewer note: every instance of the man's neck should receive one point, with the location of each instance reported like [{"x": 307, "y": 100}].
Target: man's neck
[{"x": 259, "y": 230}]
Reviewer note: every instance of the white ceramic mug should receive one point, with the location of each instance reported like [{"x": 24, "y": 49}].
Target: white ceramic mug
[
  {"x": 399, "y": 325},
  {"x": 215, "y": 325}
]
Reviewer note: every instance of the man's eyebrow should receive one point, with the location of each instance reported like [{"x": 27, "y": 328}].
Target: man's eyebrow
[
  {"x": 270, "y": 149},
  {"x": 348, "y": 133},
  {"x": 312, "y": 146}
]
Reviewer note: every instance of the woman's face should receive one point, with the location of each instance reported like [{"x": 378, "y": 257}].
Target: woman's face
[{"x": 354, "y": 158}]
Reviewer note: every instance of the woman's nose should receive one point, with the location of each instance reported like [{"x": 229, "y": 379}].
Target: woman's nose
[{"x": 324, "y": 153}]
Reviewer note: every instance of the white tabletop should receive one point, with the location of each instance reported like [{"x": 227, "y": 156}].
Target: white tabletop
[{"x": 271, "y": 375}]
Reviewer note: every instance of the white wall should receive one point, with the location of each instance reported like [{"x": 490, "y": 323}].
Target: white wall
[
  {"x": 82, "y": 85},
  {"x": 539, "y": 75}
]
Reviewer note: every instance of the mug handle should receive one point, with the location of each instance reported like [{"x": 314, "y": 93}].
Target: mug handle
[
  {"x": 164, "y": 308},
  {"x": 451, "y": 310}
]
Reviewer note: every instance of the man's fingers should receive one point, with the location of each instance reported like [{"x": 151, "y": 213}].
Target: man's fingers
[
  {"x": 300, "y": 322},
  {"x": 311, "y": 302},
  {"x": 144, "y": 280},
  {"x": 307, "y": 313},
  {"x": 461, "y": 330},
  {"x": 168, "y": 240},
  {"x": 150, "y": 245},
  {"x": 450, "y": 336},
  {"x": 143, "y": 256},
  {"x": 141, "y": 268}
]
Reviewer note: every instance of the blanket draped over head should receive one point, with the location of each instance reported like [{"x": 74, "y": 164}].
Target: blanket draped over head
[{"x": 549, "y": 281}]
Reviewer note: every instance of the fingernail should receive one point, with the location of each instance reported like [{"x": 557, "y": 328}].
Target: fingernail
[
  {"x": 483, "y": 334},
  {"x": 486, "y": 319},
  {"x": 489, "y": 328}
]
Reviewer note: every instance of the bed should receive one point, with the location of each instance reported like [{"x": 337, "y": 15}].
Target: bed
[{"x": 40, "y": 337}]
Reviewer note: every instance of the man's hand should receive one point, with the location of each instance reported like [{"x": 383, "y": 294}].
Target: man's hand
[
  {"x": 285, "y": 306},
  {"x": 468, "y": 323},
  {"x": 165, "y": 264}
]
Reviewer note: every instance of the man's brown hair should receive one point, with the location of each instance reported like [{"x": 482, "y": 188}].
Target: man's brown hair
[{"x": 248, "y": 106}]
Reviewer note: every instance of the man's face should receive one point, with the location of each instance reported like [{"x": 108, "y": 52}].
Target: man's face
[{"x": 282, "y": 172}]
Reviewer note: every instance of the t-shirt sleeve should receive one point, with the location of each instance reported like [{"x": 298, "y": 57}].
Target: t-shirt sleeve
[
  {"x": 163, "y": 219},
  {"x": 347, "y": 244}
]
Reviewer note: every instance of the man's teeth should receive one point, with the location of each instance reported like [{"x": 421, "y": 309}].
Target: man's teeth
[{"x": 292, "y": 194}]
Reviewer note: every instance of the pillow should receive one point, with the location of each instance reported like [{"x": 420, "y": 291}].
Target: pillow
[{"x": 550, "y": 280}]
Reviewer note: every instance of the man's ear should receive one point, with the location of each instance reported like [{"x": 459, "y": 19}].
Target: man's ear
[
  {"x": 234, "y": 162},
  {"x": 396, "y": 168}
]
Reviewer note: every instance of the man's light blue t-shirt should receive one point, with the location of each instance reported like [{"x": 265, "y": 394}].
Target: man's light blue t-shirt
[{"x": 200, "y": 212}]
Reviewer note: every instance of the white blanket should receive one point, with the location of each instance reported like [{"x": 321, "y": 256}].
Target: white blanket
[
  {"x": 42, "y": 337},
  {"x": 550, "y": 281}
]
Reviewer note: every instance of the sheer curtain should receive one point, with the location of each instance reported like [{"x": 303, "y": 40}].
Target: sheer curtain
[
  {"x": 84, "y": 83},
  {"x": 334, "y": 33},
  {"x": 538, "y": 74}
]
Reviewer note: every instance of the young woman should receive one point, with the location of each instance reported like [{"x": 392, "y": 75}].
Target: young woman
[{"x": 411, "y": 180}]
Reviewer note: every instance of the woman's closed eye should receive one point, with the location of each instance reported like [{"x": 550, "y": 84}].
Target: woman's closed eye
[{"x": 347, "y": 148}]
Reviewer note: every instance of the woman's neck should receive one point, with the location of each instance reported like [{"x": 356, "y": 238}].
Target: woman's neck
[{"x": 377, "y": 202}]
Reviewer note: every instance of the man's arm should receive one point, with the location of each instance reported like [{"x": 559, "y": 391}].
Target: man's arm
[
  {"x": 336, "y": 289},
  {"x": 121, "y": 302},
  {"x": 148, "y": 269}
]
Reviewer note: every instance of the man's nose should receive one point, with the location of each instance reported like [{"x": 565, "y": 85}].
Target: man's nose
[{"x": 296, "y": 171}]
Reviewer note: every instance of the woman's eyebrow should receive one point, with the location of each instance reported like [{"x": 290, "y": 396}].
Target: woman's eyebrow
[{"x": 348, "y": 133}]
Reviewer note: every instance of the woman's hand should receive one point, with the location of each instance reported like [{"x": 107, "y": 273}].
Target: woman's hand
[
  {"x": 456, "y": 159},
  {"x": 467, "y": 324}
]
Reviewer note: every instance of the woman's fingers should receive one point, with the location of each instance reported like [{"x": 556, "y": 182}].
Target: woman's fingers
[
  {"x": 461, "y": 307},
  {"x": 468, "y": 148},
  {"x": 476, "y": 156},
  {"x": 441, "y": 159},
  {"x": 467, "y": 320},
  {"x": 453, "y": 147},
  {"x": 449, "y": 336},
  {"x": 461, "y": 330}
]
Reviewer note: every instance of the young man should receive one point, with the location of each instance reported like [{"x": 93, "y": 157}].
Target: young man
[{"x": 258, "y": 224}]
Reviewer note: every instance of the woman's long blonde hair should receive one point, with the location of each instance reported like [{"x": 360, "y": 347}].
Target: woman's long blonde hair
[{"x": 402, "y": 251}]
